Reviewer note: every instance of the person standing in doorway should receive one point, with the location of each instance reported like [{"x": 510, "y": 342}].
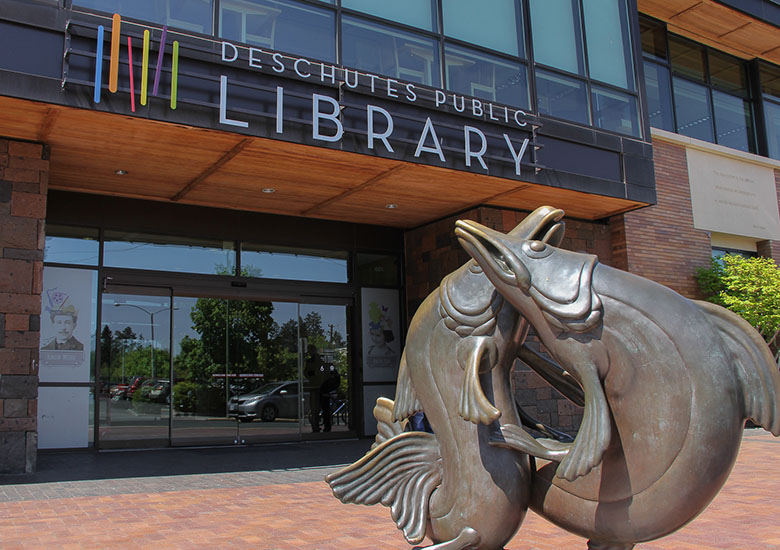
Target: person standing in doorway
[{"x": 314, "y": 370}]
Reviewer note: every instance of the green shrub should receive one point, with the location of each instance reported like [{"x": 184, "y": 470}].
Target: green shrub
[{"x": 750, "y": 287}]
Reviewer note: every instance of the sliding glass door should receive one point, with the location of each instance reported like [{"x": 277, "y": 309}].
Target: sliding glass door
[{"x": 181, "y": 370}]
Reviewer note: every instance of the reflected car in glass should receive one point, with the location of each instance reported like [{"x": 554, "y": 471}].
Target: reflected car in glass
[{"x": 268, "y": 402}]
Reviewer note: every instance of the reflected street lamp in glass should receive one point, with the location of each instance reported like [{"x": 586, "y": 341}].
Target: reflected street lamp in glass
[{"x": 151, "y": 315}]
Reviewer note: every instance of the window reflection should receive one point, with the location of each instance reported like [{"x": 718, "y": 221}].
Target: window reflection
[
  {"x": 692, "y": 107},
  {"x": 297, "y": 265},
  {"x": 487, "y": 77},
  {"x": 495, "y": 28},
  {"x": 562, "y": 97},
  {"x": 732, "y": 119},
  {"x": 659, "y": 96},
  {"x": 772, "y": 114},
  {"x": 390, "y": 52},
  {"x": 280, "y": 25},
  {"x": 687, "y": 58},
  {"x": 557, "y": 34},
  {"x": 191, "y": 15},
  {"x": 615, "y": 111},
  {"x": 609, "y": 43},
  {"x": 179, "y": 254},
  {"x": 71, "y": 245},
  {"x": 417, "y": 13}
]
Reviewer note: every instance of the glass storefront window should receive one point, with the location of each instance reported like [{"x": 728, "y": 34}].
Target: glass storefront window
[
  {"x": 390, "y": 52},
  {"x": 687, "y": 58},
  {"x": 71, "y": 245},
  {"x": 283, "y": 25},
  {"x": 486, "y": 76},
  {"x": 659, "y": 96},
  {"x": 562, "y": 97},
  {"x": 733, "y": 121},
  {"x": 615, "y": 111},
  {"x": 417, "y": 13},
  {"x": 191, "y": 15},
  {"x": 609, "y": 42},
  {"x": 495, "y": 27},
  {"x": 296, "y": 265},
  {"x": 178, "y": 254},
  {"x": 693, "y": 110},
  {"x": 557, "y": 34}
]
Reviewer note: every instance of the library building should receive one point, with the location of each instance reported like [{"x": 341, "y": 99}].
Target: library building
[{"x": 217, "y": 217}]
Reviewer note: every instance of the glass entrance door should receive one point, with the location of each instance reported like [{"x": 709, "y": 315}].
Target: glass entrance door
[
  {"x": 236, "y": 371},
  {"x": 324, "y": 341},
  {"x": 135, "y": 365},
  {"x": 181, "y": 370}
]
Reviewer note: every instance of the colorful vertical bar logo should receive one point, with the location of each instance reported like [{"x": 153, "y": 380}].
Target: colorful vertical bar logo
[
  {"x": 175, "y": 74},
  {"x": 113, "y": 79},
  {"x": 113, "y": 74},
  {"x": 145, "y": 68},
  {"x": 99, "y": 64}
]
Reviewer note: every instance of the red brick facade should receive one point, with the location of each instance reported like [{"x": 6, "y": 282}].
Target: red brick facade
[
  {"x": 24, "y": 172},
  {"x": 659, "y": 242},
  {"x": 771, "y": 249}
]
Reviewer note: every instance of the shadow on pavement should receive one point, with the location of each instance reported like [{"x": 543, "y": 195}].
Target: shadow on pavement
[{"x": 93, "y": 465}]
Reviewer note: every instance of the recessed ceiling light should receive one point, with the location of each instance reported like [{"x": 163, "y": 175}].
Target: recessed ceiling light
[
  {"x": 120, "y": 172},
  {"x": 268, "y": 190},
  {"x": 391, "y": 206}
]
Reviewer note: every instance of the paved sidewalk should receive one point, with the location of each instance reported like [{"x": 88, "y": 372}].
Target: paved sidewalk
[{"x": 83, "y": 501}]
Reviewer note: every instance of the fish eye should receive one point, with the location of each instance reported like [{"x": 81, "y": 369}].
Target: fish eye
[{"x": 537, "y": 249}]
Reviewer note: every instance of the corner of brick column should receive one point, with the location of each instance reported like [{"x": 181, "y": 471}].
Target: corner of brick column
[{"x": 24, "y": 176}]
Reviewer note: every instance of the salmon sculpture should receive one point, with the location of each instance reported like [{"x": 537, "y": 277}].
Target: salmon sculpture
[
  {"x": 668, "y": 384},
  {"x": 453, "y": 485}
]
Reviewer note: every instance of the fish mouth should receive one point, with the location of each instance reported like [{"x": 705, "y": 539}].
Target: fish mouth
[{"x": 486, "y": 247}]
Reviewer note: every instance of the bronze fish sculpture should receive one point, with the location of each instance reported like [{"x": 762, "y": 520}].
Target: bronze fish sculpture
[
  {"x": 453, "y": 485},
  {"x": 668, "y": 383}
]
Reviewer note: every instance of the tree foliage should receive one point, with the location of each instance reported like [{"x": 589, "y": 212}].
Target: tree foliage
[{"x": 750, "y": 287}]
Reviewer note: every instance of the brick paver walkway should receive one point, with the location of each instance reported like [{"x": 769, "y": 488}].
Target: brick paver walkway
[{"x": 287, "y": 509}]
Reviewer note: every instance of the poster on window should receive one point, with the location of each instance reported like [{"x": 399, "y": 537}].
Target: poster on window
[
  {"x": 66, "y": 321},
  {"x": 381, "y": 326}
]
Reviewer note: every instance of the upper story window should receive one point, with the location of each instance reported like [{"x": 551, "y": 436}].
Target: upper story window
[
  {"x": 569, "y": 59},
  {"x": 416, "y": 13},
  {"x": 190, "y": 15},
  {"x": 770, "y": 89},
  {"x": 388, "y": 51},
  {"x": 291, "y": 27},
  {"x": 696, "y": 91},
  {"x": 584, "y": 63}
]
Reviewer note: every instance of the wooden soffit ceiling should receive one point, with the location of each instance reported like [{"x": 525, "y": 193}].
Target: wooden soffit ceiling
[
  {"x": 719, "y": 26},
  {"x": 186, "y": 165}
]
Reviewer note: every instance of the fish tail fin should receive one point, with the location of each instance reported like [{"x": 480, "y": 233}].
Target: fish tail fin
[
  {"x": 401, "y": 473},
  {"x": 755, "y": 367},
  {"x": 406, "y": 402},
  {"x": 386, "y": 427}
]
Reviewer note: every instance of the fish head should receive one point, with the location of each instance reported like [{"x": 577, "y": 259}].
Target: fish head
[
  {"x": 505, "y": 258},
  {"x": 533, "y": 274}
]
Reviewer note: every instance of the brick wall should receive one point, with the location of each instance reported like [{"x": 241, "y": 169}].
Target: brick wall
[
  {"x": 433, "y": 251},
  {"x": 771, "y": 249},
  {"x": 24, "y": 172},
  {"x": 659, "y": 242}
]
